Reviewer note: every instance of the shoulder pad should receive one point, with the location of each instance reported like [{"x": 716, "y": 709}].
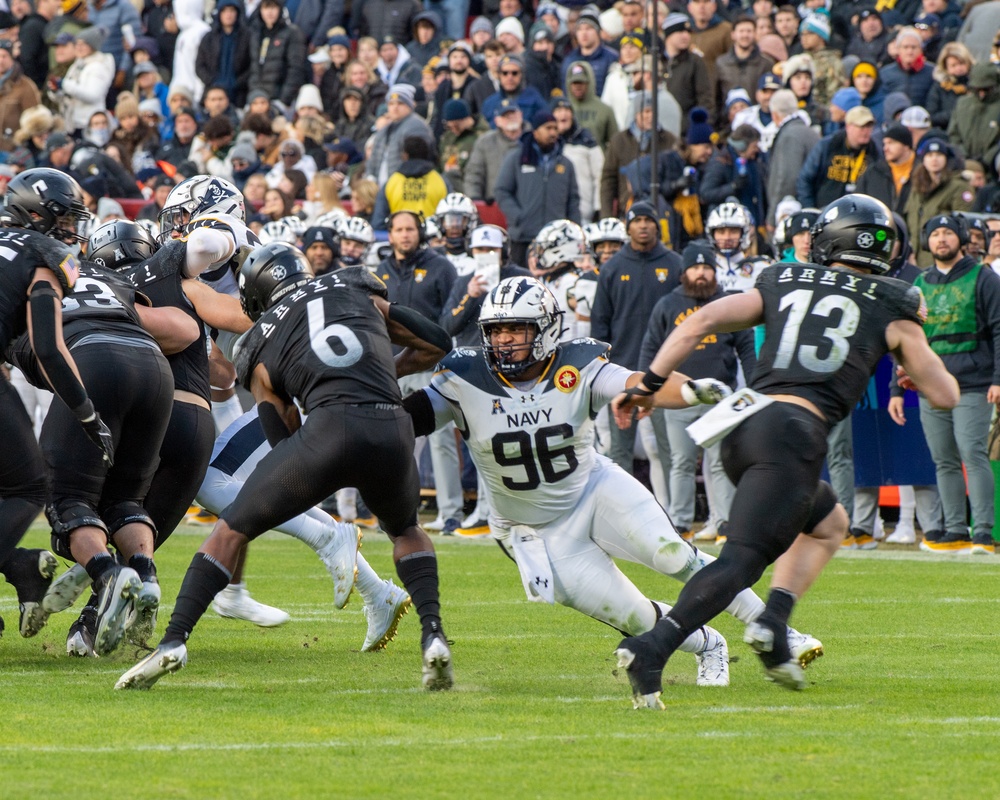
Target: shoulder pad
[
  {"x": 914, "y": 305},
  {"x": 580, "y": 353},
  {"x": 168, "y": 260},
  {"x": 469, "y": 364},
  {"x": 362, "y": 278},
  {"x": 57, "y": 257}
]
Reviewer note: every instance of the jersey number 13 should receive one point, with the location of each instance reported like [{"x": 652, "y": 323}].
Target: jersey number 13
[{"x": 801, "y": 305}]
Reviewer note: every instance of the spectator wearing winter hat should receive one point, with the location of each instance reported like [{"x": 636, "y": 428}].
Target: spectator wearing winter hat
[
  {"x": 457, "y": 85},
  {"x": 331, "y": 76},
  {"x": 224, "y": 53},
  {"x": 541, "y": 67},
  {"x": 888, "y": 179},
  {"x": 244, "y": 162},
  {"x": 792, "y": 144},
  {"x": 591, "y": 50},
  {"x": 17, "y": 94},
  {"x": 88, "y": 80},
  {"x": 590, "y": 112},
  {"x": 909, "y": 73},
  {"x": 457, "y": 142},
  {"x": 687, "y": 74},
  {"x": 395, "y": 65},
  {"x": 870, "y": 38},
  {"x": 951, "y": 81},
  {"x": 513, "y": 87},
  {"x": 865, "y": 78},
  {"x": 973, "y": 126},
  {"x": 828, "y": 71},
  {"x": 759, "y": 115},
  {"x": 935, "y": 189},
  {"x": 510, "y": 33},
  {"x": 183, "y": 145},
  {"x": 480, "y": 32},
  {"x": 843, "y": 100},
  {"x": 837, "y": 162},
  {"x": 623, "y": 78},
  {"x": 797, "y": 73},
  {"x": 136, "y": 140},
  {"x": 387, "y": 149},
  {"x": 536, "y": 184},
  {"x": 736, "y": 101},
  {"x": 278, "y": 63},
  {"x": 742, "y": 66},
  {"x": 354, "y": 122}
]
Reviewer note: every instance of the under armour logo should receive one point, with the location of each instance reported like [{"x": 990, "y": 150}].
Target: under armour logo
[{"x": 543, "y": 582}]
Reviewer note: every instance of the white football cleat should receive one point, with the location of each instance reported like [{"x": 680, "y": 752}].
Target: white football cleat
[
  {"x": 805, "y": 648},
  {"x": 384, "y": 616},
  {"x": 142, "y": 618},
  {"x": 235, "y": 602},
  {"x": 713, "y": 661},
  {"x": 437, "y": 671},
  {"x": 162, "y": 661},
  {"x": 116, "y": 591},
  {"x": 789, "y": 673},
  {"x": 340, "y": 557},
  {"x": 66, "y": 589}
]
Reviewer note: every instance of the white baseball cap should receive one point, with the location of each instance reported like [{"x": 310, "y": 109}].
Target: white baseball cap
[
  {"x": 487, "y": 236},
  {"x": 916, "y": 117}
]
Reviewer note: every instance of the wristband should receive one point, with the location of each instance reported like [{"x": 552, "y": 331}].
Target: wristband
[
  {"x": 85, "y": 411},
  {"x": 652, "y": 381}
]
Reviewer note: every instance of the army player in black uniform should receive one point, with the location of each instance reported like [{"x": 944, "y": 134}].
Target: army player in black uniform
[
  {"x": 827, "y": 325},
  {"x": 324, "y": 343},
  {"x": 116, "y": 339},
  {"x": 43, "y": 206}
]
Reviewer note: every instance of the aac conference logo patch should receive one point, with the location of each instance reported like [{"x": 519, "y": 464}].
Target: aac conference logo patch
[{"x": 567, "y": 378}]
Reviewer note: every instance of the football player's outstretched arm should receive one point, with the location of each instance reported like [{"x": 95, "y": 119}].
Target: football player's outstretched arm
[
  {"x": 217, "y": 310},
  {"x": 424, "y": 342},
  {"x": 924, "y": 367},
  {"x": 172, "y": 328},
  {"x": 278, "y": 415}
]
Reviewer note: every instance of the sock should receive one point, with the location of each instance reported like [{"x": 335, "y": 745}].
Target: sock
[
  {"x": 419, "y": 574},
  {"x": 368, "y": 583},
  {"x": 780, "y": 603},
  {"x": 666, "y": 637},
  {"x": 312, "y": 528},
  {"x": 226, "y": 412},
  {"x": 696, "y": 642},
  {"x": 144, "y": 566},
  {"x": 204, "y": 579},
  {"x": 98, "y": 565}
]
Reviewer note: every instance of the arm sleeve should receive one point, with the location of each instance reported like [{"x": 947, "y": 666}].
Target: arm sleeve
[
  {"x": 429, "y": 410},
  {"x": 274, "y": 427},
  {"x": 608, "y": 383},
  {"x": 747, "y": 352},
  {"x": 419, "y": 325},
  {"x": 44, "y": 302},
  {"x": 205, "y": 248}
]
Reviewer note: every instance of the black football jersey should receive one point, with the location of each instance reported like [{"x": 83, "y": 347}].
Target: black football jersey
[
  {"x": 324, "y": 344},
  {"x": 160, "y": 278},
  {"x": 101, "y": 302},
  {"x": 21, "y": 253},
  {"x": 825, "y": 332}
]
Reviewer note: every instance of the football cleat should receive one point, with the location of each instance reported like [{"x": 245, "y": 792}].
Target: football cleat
[
  {"x": 66, "y": 589},
  {"x": 849, "y": 543},
  {"x": 713, "y": 661},
  {"x": 804, "y": 648},
  {"x": 235, "y": 602},
  {"x": 626, "y": 658},
  {"x": 142, "y": 617},
  {"x": 450, "y": 527},
  {"x": 707, "y": 534},
  {"x": 80, "y": 640},
  {"x": 437, "y": 671},
  {"x": 30, "y": 572},
  {"x": 784, "y": 672},
  {"x": 165, "y": 659},
  {"x": 384, "y": 616},
  {"x": 930, "y": 537},
  {"x": 116, "y": 591},
  {"x": 340, "y": 557}
]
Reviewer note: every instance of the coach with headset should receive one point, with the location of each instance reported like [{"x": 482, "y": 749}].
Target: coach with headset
[
  {"x": 963, "y": 327},
  {"x": 419, "y": 277}
]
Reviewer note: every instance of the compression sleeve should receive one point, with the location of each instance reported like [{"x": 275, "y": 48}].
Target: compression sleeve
[
  {"x": 417, "y": 324},
  {"x": 206, "y": 247},
  {"x": 274, "y": 426},
  {"x": 418, "y": 406},
  {"x": 44, "y": 301}
]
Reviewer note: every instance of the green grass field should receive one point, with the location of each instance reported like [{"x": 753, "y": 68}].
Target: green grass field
[{"x": 902, "y": 705}]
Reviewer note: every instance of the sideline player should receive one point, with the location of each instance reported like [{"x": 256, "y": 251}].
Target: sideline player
[
  {"x": 42, "y": 208},
  {"x": 236, "y": 455},
  {"x": 827, "y": 325},
  {"x": 525, "y": 404},
  {"x": 326, "y": 343}
]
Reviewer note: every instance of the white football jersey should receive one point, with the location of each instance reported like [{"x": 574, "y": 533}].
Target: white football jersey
[
  {"x": 240, "y": 234},
  {"x": 533, "y": 446},
  {"x": 739, "y": 273},
  {"x": 561, "y": 286}
]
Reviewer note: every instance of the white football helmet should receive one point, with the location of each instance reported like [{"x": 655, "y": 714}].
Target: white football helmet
[
  {"x": 355, "y": 229},
  {"x": 559, "y": 243},
  {"x": 524, "y": 300},
  {"x": 731, "y": 214},
  {"x": 331, "y": 219},
  {"x": 432, "y": 230},
  {"x": 458, "y": 209},
  {"x": 198, "y": 196},
  {"x": 609, "y": 229},
  {"x": 297, "y": 224},
  {"x": 277, "y": 231}
]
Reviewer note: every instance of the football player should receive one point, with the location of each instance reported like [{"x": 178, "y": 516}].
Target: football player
[
  {"x": 324, "y": 343},
  {"x": 730, "y": 229},
  {"x": 525, "y": 405},
  {"x": 456, "y": 216},
  {"x": 827, "y": 324}
]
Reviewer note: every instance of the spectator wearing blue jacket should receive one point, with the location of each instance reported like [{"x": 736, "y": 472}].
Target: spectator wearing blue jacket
[
  {"x": 734, "y": 171},
  {"x": 909, "y": 73},
  {"x": 121, "y": 21},
  {"x": 591, "y": 49},
  {"x": 513, "y": 87}
]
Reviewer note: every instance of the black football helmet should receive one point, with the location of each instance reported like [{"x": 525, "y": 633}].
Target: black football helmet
[
  {"x": 48, "y": 201},
  {"x": 857, "y": 231},
  {"x": 269, "y": 273},
  {"x": 120, "y": 243}
]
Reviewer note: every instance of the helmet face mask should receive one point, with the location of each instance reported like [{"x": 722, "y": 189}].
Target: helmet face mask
[
  {"x": 195, "y": 197},
  {"x": 455, "y": 216},
  {"x": 606, "y": 237},
  {"x": 47, "y": 201},
  {"x": 526, "y": 320},
  {"x": 358, "y": 235},
  {"x": 731, "y": 215}
]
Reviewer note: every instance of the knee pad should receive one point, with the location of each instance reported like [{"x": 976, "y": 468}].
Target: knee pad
[
  {"x": 824, "y": 501},
  {"x": 65, "y": 516},
  {"x": 398, "y": 529},
  {"x": 125, "y": 513}
]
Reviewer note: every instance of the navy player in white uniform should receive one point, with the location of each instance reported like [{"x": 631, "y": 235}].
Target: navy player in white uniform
[
  {"x": 827, "y": 325},
  {"x": 526, "y": 406},
  {"x": 236, "y": 454},
  {"x": 42, "y": 210},
  {"x": 325, "y": 343}
]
